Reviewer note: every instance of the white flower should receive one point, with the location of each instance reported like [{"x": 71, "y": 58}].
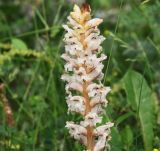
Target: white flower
[
  {"x": 103, "y": 130},
  {"x": 72, "y": 78},
  {"x": 92, "y": 62},
  {"x": 98, "y": 100},
  {"x": 97, "y": 93},
  {"x": 72, "y": 62},
  {"x": 94, "y": 41},
  {"x": 74, "y": 86},
  {"x": 100, "y": 145},
  {"x": 74, "y": 23},
  {"x": 91, "y": 119},
  {"x": 73, "y": 49},
  {"x": 83, "y": 73},
  {"x": 70, "y": 31},
  {"x": 68, "y": 67},
  {"x": 77, "y": 131},
  {"x": 71, "y": 34},
  {"x": 93, "y": 23},
  {"x": 76, "y": 104},
  {"x": 92, "y": 30},
  {"x": 95, "y": 74},
  {"x": 98, "y": 109}
]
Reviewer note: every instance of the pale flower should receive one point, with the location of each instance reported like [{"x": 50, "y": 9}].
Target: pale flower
[
  {"x": 103, "y": 133},
  {"x": 91, "y": 119},
  {"x": 76, "y": 104},
  {"x": 77, "y": 131},
  {"x": 93, "y": 22},
  {"x": 74, "y": 86},
  {"x": 97, "y": 90},
  {"x": 83, "y": 75},
  {"x": 98, "y": 109},
  {"x": 104, "y": 129}
]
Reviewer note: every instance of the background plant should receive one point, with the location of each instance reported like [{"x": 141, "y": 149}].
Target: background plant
[{"x": 30, "y": 67}]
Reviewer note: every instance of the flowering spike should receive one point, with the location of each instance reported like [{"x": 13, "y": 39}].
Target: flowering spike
[{"x": 83, "y": 73}]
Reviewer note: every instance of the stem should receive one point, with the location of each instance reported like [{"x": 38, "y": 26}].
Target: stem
[
  {"x": 7, "y": 107},
  {"x": 90, "y": 139}
]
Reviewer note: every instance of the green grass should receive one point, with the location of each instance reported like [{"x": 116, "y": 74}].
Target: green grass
[{"x": 31, "y": 43}]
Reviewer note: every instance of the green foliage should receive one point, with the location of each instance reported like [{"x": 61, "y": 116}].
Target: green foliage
[
  {"x": 31, "y": 43},
  {"x": 116, "y": 142},
  {"x": 139, "y": 96},
  {"x": 127, "y": 136},
  {"x": 18, "y": 44}
]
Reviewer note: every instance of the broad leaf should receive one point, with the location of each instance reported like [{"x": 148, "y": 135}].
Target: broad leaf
[
  {"x": 18, "y": 44},
  {"x": 140, "y": 98}
]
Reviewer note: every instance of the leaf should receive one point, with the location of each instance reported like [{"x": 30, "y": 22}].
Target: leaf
[
  {"x": 18, "y": 44},
  {"x": 140, "y": 98},
  {"x": 116, "y": 143},
  {"x": 123, "y": 117},
  {"x": 127, "y": 136}
]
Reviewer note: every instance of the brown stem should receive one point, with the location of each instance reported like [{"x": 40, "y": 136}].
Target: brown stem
[
  {"x": 6, "y": 105},
  {"x": 90, "y": 139}
]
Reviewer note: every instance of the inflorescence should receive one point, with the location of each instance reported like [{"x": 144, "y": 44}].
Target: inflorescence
[{"x": 83, "y": 74}]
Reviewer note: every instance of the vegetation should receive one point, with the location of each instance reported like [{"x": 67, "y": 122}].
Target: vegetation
[{"x": 32, "y": 95}]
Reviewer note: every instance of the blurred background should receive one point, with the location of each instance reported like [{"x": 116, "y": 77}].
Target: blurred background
[{"x": 33, "y": 110}]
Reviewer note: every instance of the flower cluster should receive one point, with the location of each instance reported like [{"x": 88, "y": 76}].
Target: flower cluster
[{"x": 83, "y": 73}]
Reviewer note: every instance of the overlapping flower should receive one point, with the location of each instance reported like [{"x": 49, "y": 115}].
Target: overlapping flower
[{"x": 83, "y": 73}]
